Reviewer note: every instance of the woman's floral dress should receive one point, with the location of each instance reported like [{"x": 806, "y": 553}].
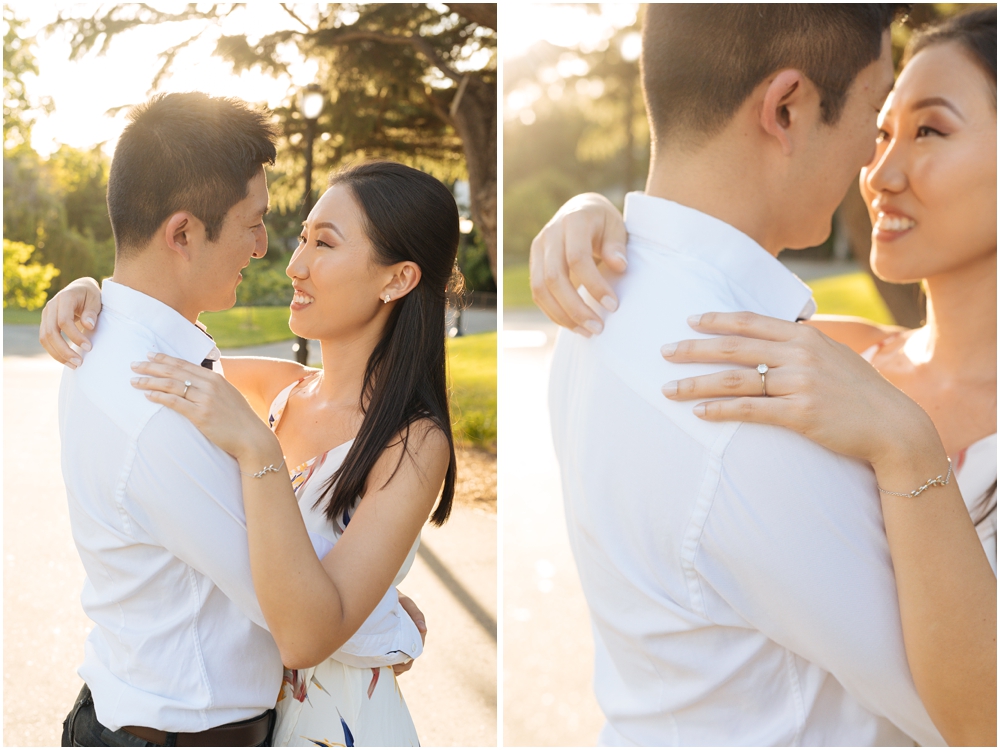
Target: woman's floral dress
[{"x": 352, "y": 699}]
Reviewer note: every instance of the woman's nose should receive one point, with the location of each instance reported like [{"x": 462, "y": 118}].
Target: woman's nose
[
  {"x": 887, "y": 172},
  {"x": 297, "y": 267}
]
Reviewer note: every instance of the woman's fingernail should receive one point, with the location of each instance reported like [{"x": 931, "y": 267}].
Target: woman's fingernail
[
  {"x": 582, "y": 331},
  {"x": 594, "y": 326},
  {"x": 135, "y": 365},
  {"x": 609, "y": 303},
  {"x": 89, "y": 321},
  {"x": 699, "y": 410},
  {"x": 76, "y": 362},
  {"x": 620, "y": 254},
  {"x": 151, "y": 355},
  {"x": 134, "y": 381},
  {"x": 694, "y": 320},
  {"x": 86, "y": 346},
  {"x": 670, "y": 389},
  {"x": 667, "y": 350}
]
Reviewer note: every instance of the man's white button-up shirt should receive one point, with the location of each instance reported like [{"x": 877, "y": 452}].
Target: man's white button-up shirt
[
  {"x": 179, "y": 642},
  {"x": 737, "y": 575}
]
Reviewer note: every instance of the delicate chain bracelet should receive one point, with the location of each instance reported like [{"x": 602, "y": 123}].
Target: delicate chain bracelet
[
  {"x": 265, "y": 470},
  {"x": 939, "y": 480}
]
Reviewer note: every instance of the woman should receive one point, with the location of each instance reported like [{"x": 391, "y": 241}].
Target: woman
[
  {"x": 931, "y": 190},
  {"x": 366, "y": 440}
]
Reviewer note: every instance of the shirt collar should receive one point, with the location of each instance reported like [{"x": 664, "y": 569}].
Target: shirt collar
[
  {"x": 760, "y": 280},
  {"x": 187, "y": 340}
]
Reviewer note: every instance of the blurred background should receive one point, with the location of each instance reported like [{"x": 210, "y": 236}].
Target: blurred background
[
  {"x": 574, "y": 122},
  {"x": 413, "y": 82}
]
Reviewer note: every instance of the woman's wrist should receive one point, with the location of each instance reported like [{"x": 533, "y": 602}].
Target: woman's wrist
[
  {"x": 912, "y": 459},
  {"x": 258, "y": 451}
]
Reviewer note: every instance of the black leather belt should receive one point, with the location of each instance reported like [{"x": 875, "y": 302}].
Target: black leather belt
[{"x": 249, "y": 733}]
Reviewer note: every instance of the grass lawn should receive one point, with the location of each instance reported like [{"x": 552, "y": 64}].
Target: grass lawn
[
  {"x": 247, "y": 326},
  {"x": 472, "y": 374},
  {"x": 850, "y": 294},
  {"x": 16, "y": 317}
]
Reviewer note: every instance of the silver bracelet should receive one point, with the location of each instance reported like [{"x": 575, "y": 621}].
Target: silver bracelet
[
  {"x": 939, "y": 481},
  {"x": 265, "y": 470}
]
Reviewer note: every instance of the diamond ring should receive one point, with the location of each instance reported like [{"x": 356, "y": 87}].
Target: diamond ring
[
  {"x": 187, "y": 384},
  {"x": 762, "y": 369}
]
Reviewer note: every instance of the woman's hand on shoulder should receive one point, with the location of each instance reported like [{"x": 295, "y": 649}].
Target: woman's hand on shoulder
[
  {"x": 71, "y": 313},
  {"x": 586, "y": 234},
  {"x": 209, "y": 401},
  {"x": 814, "y": 385}
]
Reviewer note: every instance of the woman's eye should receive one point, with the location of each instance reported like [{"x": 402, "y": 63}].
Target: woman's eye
[{"x": 923, "y": 131}]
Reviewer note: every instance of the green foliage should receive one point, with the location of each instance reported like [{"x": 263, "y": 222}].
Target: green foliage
[
  {"x": 264, "y": 284},
  {"x": 850, "y": 294},
  {"x": 472, "y": 370},
  {"x": 24, "y": 283},
  {"x": 528, "y": 204},
  {"x": 517, "y": 287},
  {"x": 58, "y": 205},
  {"x": 17, "y": 317},
  {"x": 474, "y": 263},
  {"x": 18, "y": 60}
]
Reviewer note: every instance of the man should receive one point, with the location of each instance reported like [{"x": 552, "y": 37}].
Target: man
[
  {"x": 737, "y": 575},
  {"x": 180, "y": 653}
]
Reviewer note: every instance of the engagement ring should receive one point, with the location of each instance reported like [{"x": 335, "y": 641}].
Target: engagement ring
[{"x": 762, "y": 369}]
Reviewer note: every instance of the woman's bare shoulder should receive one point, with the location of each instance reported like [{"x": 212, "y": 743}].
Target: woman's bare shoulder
[
  {"x": 858, "y": 334},
  {"x": 260, "y": 379}
]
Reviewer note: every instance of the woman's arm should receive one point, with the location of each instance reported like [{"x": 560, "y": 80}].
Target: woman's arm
[
  {"x": 824, "y": 391},
  {"x": 312, "y": 607},
  {"x": 260, "y": 379},
  {"x": 858, "y": 334},
  {"x": 74, "y": 311}
]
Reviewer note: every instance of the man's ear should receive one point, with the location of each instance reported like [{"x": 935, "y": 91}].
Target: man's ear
[
  {"x": 405, "y": 276},
  {"x": 181, "y": 231},
  {"x": 785, "y": 105}
]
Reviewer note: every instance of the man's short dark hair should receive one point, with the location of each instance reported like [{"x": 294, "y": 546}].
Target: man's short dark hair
[
  {"x": 700, "y": 62},
  {"x": 184, "y": 152}
]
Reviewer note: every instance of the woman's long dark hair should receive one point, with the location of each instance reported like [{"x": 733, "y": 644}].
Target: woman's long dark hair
[{"x": 407, "y": 216}]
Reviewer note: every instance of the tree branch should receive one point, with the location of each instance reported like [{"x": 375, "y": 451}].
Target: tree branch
[
  {"x": 421, "y": 45},
  {"x": 484, "y": 14},
  {"x": 291, "y": 12}
]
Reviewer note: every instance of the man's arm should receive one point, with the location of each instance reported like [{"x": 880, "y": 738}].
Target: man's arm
[
  {"x": 186, "y": 494},
  {"x": 795, "y": 544}
]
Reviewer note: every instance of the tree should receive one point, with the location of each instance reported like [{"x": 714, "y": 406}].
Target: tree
[
  {"x": 24, "y": 283},
  {"x": 412, "y": 81}
]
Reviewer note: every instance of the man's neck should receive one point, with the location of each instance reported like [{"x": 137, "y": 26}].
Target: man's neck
[
  {"x": 717, "y": 180},
  {"x": 158, "y": 282}
]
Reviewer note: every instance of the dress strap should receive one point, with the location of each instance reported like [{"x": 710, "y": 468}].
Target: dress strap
[{"x": 280, "y": 401}]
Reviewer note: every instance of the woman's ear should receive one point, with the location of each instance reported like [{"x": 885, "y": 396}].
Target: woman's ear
[
  {"x": 784, "y": 110},
  {"x": 405, "y": 276}
]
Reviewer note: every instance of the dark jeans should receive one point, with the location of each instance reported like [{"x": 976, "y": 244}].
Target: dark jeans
[{"x": 82, "y": 729}]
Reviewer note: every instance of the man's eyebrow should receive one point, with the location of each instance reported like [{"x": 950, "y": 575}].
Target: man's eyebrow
[
  {"x": 937, "y": 101},
  {"x": 327, "y": 225}
]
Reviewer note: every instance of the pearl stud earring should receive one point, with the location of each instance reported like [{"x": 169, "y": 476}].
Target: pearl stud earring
[{"x": 385, "y": 299}]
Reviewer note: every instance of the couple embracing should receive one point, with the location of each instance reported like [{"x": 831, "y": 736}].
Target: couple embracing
[
  {"x": 785, "y": 526},
  {"x": 219, "y": 588}
]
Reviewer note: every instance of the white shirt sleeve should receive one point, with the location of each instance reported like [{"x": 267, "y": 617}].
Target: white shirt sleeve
[
  {"x": 186, "y": 494},
  {"x": 795, "y": 544}
]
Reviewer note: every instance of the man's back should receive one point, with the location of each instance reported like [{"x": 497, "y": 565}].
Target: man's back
[
  {"x": 737, "y": 575},
  {"x": 179, "y": 643}
]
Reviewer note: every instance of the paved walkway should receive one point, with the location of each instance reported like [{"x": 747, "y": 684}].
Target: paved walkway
[
  {"x": 548, "y": 650},
  {"x": 451, "y": 690}
]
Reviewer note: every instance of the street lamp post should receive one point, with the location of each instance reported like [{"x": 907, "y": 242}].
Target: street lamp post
[{"x": 310, "y": 106}]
